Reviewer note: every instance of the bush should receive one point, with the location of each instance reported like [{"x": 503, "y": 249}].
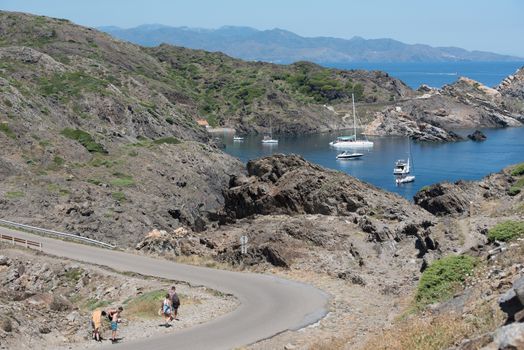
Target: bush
[
  {"x": 506, "y": 231},
  {"x": 518, "y": 170},
  {"x": 441, "y": 279},
  {"x": 85, "y": 139},
  {"x": 119, "y": 196}
]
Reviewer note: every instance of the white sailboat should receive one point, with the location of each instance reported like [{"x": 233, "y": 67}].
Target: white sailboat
[
  {"x": 268, "y": 139},
  {"x": 351, "y": 141},
  {"x": 403, "y": 168}
]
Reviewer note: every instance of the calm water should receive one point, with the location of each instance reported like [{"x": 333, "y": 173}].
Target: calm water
[
  {"x": 432, "y": 163},
  {"x": 437, "y": 74}
]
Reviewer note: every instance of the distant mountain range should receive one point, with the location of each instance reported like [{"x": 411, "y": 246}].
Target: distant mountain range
[{"x": 281, "y": 46}]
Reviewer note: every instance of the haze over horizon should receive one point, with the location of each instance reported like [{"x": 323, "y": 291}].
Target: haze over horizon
[{"x": 483, "y": 26}]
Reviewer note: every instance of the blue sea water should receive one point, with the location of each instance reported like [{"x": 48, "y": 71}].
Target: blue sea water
[
  {"x": 437, "y": 74},
  {"x": 432, "y": 162}
]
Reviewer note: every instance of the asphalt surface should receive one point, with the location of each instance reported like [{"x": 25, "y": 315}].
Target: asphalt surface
[{"x": 268, "y": 305}]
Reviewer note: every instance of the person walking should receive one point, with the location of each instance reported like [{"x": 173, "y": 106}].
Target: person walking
[
  {"x": 175, "y": 302},
  {"x": 167, "y": 309},
  {"x": 114, "y": 317}
]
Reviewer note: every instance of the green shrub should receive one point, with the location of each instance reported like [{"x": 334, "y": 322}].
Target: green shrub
[
  {"x": 442, "y": 278},
  {"x": 6, "y": 130},
  {"x": 122, "y": 180},
  {"x": 513, "y": 191},
  {"x": 506, "y": 231},
  {"x": 119, "y": 196},
  {"x": 169, "y": 140},
  {"x": 518, "y": 170},
  {"x": 170, "y": 121},
  {"x": 58, "y": 161},
  {"x": 85, "y": 139}
]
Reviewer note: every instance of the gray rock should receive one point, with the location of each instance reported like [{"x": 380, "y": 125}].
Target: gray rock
[
  {"x": 4, "y": 261},
  {"x": 509, "y": 337},
  {"x": 512, "y": 301}
]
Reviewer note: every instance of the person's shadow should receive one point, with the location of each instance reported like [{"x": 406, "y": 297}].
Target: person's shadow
[
  {"x": 166, "y": 325},
  {"x": 117, "y": 340}
]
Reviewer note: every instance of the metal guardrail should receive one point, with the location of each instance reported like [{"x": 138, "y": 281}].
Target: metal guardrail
[
  {"x": 25, "y": 242},
  {"x": 57, "y": 233}
]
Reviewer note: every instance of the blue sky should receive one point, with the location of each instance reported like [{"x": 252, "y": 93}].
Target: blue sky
[{"x": 496, "y": 26}]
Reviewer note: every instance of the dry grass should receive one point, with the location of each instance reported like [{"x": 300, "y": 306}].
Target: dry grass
[
  {"x": 334, "y": 343},
  {"x": 202, "y": 261},
  {"x": 436, "y": 333}
]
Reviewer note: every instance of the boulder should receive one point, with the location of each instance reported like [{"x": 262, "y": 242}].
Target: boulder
[
  {"x": 512, "y": 302},
  {"x": 443, "y": 199}
]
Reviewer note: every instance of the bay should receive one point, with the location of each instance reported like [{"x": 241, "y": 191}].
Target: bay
[
  {"x": 432, "y": 162},
  {"x": 437, "y": 74}
]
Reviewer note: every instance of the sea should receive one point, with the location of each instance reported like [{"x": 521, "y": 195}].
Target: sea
[
  {"x": 431, "y": 162},
  {"x": 438, "y": 74}
]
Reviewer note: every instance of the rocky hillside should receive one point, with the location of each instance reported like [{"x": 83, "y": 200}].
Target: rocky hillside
[{"x": 463, "y": 104}]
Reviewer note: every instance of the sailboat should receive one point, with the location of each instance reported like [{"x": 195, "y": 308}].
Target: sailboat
[
  {"x": 268, "y": 139},
  {"x": 351, "y": 141},
  {"x": 402, "y": 169}
]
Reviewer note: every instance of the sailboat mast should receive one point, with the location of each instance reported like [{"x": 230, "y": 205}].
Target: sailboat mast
[{"x": 354, "y": 117}]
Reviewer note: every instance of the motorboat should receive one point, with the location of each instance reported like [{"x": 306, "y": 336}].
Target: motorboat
[
  {"x": 349, "y": 155},
  {"x": 404, "y": 179},
  {"x": 238, "y": 138},
  {"x": 401, "y": 167},
  {"x": 351, "y": 141}
]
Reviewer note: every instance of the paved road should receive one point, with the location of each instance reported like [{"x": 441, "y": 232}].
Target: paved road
[{"x": 268, "y": 305}]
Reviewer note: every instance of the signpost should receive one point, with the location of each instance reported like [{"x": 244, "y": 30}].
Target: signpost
[{"x": 243, "y": 244}]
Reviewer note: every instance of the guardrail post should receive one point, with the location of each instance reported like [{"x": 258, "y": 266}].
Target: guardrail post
[{"x": 26, "y": 244}]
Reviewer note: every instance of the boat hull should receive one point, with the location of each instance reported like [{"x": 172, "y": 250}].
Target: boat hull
[
  {"x": 405, "y": 179},
  {"x": 351, "y": 144},
  {"x": 270, "y": 141}
]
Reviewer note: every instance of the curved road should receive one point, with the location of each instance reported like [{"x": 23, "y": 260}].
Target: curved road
[{"x": 268, "y": 305}]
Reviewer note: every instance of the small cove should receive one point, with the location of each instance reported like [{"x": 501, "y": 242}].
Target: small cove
[{"x": 432, "y": 162}]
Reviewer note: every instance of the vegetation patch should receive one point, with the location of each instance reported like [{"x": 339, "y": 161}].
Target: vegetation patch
[
  {"x": 169, "y": 140},
  {"x": 119, "y": 196},
  {"x": 92, "y": 304},
  {"x": 516, "y": 187},
  {"x": 4, "y": 127},
  {"x": 85, "y": 139},
  {"x": 518, "y": 170},
  {"x": 74, "y": 274},
  {"x": 506, "y": 231},
  {"x": 14, "y": 194},
  {"x": 442, "y": 278},
  {"x": 122, "y": 180},
  {"x": 70, "y": 84}
]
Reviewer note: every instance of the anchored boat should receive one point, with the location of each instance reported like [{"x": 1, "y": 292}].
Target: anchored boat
[
  {"x": 351, "y": 141},
  {"x": 349, "y": 155}
]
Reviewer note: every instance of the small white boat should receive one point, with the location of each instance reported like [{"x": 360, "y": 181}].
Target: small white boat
[
  {"x": 238, "y": 138},
  {"x": 404, "y": 179},
  {"x": 401, "y": 167},
  {"x": 351, "y": 141},
  {"x": 269, "y": 139},
  {"x": 348, "y": 155}
]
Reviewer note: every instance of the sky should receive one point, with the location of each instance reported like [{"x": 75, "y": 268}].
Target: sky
[{"x": 486, "y": 25}]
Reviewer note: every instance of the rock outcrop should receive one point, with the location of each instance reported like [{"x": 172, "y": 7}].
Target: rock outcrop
[{"x": 477, "y": 136}]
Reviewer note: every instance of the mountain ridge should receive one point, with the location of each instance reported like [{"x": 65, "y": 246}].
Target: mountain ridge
[{"x": 283, "y": 46}]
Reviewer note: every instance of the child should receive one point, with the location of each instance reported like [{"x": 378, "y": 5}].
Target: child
[{"x": 114, "y": 317}]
